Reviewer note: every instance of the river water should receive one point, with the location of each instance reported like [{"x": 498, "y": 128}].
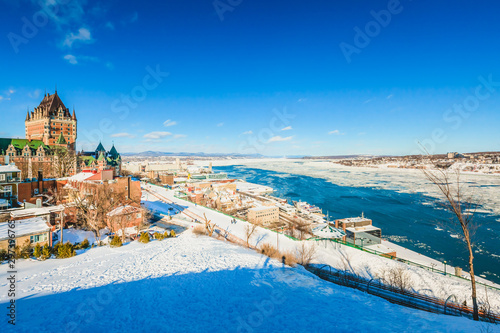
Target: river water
[{"x": 412, "y": 220}]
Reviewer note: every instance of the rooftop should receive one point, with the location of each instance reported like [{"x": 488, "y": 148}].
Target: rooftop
[
  {"x": 362, "y": 229},
  {"x": 9, "y": 168},
  {"x": 355, "y": 219},
  {"x": 262, "y": 208},
  {"x": 35, "y": 211},
  {"x": 24, "y": 227}
]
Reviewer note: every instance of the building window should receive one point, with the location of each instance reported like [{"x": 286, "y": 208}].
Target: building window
[
  {"x": 2, "y": 177},
  {"x": 38, "y": 238}
]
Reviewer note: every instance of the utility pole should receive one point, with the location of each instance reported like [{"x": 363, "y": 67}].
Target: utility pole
[{"x": 61, "y": 226}]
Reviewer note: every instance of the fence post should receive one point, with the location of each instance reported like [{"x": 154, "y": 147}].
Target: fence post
[
  {"x": 446, "y": 302},
  {"x": 368, "y": 285}
]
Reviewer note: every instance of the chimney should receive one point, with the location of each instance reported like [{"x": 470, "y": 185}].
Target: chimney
[
  {"x": 40, "y": 181},
  {"x": 129, "y": 186}
]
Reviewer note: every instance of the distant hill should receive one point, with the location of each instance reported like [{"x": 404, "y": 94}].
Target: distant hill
[
  {"x": 338, "y": 157},
  {"x": 185, "y": 154}
]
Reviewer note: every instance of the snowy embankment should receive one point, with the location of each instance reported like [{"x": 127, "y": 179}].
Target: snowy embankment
[
  {"x": 198, "y": 284},
  {"x": 344, "y": 257}
]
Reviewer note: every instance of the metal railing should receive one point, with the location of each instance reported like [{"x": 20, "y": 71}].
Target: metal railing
[
  {"x": 396, "y": 295},
  {"x": 405, "y": 261}
]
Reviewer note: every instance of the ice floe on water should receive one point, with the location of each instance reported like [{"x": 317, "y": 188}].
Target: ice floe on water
[{"x": 484, "y": 186}]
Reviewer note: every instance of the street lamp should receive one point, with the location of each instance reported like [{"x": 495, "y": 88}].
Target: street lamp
[{"x": 445, "y": 267}]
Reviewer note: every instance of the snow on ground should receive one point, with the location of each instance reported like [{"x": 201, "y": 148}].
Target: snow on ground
[
  {"x": 359, "y": 262},
  {"x": 401, "y": 180},
  {"x": 198, "y": 284},
  {"x": 75, "y": 236}
]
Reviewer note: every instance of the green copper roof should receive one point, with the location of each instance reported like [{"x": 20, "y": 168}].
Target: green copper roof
[
  {"x": 61, "y": 140},
  {"x": 113, "y": 153},
  {"x": 101, "y": 157},
  {"x": 100, "y": 148},
  {"x": 19, "y": 144}
]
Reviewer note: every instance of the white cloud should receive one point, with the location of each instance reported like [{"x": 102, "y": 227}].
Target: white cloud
[
  {"x": 110, "y": 26},
  {"x": 247, "y": 133},
  {"x": 134, "y": 17},
  {"x": 279, "y": 139},
  {"x": 74, "y": 60},
  {"x": 71, "y": 59},
  {"x": 287, "y": 128},
  {"x": 82, "y": 36},
  {"x": 390, "y": 96},
  {"x": 6, "y": 95},
  {"x": 123, "y": 135},
  {"x": 179, "y": 136},
  {"x": 35, "y": 93},
  {"x": 157, "y": 135},
  {"x": 220, "y": 124},
  {"x": 368, "y": 101},
  {"x": 300, "y": 100},
  {"x": 130, "y": 18},
  {"x": 335, "y": 132},
  {"x": 169, "y": 122}
]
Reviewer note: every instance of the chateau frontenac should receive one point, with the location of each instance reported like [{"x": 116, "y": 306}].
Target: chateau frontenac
[{"x": 50, "y": 144}]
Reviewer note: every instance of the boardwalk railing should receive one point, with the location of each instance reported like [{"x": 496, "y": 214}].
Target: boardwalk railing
[{"x": 399, "y": 296}]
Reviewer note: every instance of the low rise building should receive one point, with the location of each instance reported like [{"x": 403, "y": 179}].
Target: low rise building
[
  {"x": 359, "y": 231},
  {"x": 9, "y": 186},
  {"x": 28, "y": 231},
  {"x": 264, "y": 215},
  {"x": 124, "y": 217}
]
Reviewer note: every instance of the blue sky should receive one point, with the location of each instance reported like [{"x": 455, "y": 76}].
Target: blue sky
[{"x": 274, "y": 78}]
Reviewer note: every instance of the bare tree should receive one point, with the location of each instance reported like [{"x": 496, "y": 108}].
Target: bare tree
[
  {"x": 249, "y": 231},
  {"x": 463, "y": 205},
  {"x": 58, "y": 197},
  {"x": 64, "y": 162},
  {"x": 210, "y": 227},
  {"x": 94, "y": 203},
  {"x": 302, "y": 228},
  {"x": 306, "y": 253}
]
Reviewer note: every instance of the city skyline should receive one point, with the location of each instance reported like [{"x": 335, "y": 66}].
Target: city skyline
[{"x": 258, "y": 78}]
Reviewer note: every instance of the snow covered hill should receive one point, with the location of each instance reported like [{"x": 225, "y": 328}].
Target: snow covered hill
[
  {"x": 198, "y": 284},
  {"x": 358, "y": 262}
]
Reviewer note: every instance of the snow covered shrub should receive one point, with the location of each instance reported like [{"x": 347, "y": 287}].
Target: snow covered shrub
[
  {"x": 116, "y": 242},
  {"x": 199, "y": 230},
  {"x": 66, "y": 250},
  {"x": 46, "y": 252},
  {"x": 306, "y": 253},
  {"x": 3, "y": 255},
  {"x": 144, "y": 238},
  {"x": 159, "y": 236},
  {"x": 269, "y": 250},
  {"x": 37, "y": 252},
  {"x": 166, "y": 234},
  {"x": 26, "y": 250},
  {"x": 290, "y": 259},
  {"x": 83, "y": 245},
  {"x": 172, "y": 233}
]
